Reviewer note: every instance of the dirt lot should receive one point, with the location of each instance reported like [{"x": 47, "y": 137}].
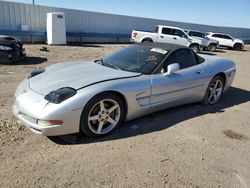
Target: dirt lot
[{"x": 188, "y": 146}]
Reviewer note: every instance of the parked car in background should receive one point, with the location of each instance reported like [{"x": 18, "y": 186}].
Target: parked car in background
[
  {"x": 226, "y": 40},
  {"x": 11, "y": 49},
  {"x": 166, "y": 34},
  {"x": 206, "y": 43},
  {"x": 96, "y": 96}
]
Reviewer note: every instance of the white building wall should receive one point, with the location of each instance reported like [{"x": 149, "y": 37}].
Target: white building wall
[{"x": 13, "y": 15}]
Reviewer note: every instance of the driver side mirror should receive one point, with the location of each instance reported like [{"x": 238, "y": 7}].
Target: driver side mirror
[{"x": 172, "y": 68}]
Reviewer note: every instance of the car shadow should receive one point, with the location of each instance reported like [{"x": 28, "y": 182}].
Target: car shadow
[
  {"x": 30, "y": 61},
  {"x": 161, "y": 120},
  {"x": 207, "y": 53},
  {"x": 228, "y": 49},
  {"x": 220, "y": 50}
]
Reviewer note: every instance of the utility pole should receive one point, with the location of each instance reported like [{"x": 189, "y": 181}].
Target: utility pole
[{"x": 33, "y": 1}]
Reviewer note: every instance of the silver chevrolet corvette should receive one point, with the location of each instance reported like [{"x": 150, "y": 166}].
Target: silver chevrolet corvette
[{"x": 95, "y": 97}]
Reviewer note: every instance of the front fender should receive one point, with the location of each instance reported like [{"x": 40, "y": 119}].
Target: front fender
[{"x": 135, "y": 90}]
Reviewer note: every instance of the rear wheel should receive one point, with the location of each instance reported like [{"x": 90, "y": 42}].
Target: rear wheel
[
  {"x": 211, "y": 47},
  {"x": 194, "y": 47},
  {"x": 214, "y": 91},
  {"x": 102, "y": 115},
  {"x": 237, "y": 46}
]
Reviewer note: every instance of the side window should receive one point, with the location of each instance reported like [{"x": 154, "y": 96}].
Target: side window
[
  {"x": 172, "y": 58},
  {"x": 198, "y": 34},
  {"x": 227, "y": 37},
  {"x": 186, "y": 58},
  {"x": 166, "y": 31},
  {"x": 217, "y": 35},
  {"x": 191, "y": 33},
  {"x": 179, "y": 33}
]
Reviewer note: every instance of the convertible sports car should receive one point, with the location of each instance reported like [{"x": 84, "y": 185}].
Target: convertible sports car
[{"x": 95, "y": 97}]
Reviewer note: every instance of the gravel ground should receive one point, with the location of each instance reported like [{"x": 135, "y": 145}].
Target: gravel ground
[{"x": 188, "y": 146}]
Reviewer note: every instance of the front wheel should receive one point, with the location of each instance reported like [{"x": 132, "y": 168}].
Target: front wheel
[
  {"x": 102, "y": 115},
  {"x": 237, "y": 47},
  {"x": 214, "y": 91},
  {"x": 211, "y": 48},
  {"x": 194, "y": 47}
]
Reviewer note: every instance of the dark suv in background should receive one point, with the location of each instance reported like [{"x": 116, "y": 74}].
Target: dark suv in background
[{"x": 11, "y": 49}]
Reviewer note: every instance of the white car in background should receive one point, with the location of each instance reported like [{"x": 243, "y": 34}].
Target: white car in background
[
  {"x": 226, "y": 40},
  {"x": 206, "y": 43},
  {"x": 166, "y": 34}
]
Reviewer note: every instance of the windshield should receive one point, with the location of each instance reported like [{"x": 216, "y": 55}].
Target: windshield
[{"x": 135, "y": 58}]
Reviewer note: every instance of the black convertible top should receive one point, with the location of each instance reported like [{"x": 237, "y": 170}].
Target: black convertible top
[
  {"x": 170, "y": 48},
  {"x": 165, "y": 46}
]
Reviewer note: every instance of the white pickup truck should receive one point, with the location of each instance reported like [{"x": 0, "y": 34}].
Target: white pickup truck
[{"x": 166, "y": 34}]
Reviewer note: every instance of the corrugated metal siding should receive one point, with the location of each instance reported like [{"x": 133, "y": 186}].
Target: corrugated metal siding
[{"x": 13, "y": 15}]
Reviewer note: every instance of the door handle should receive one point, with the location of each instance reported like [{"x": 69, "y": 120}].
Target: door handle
[
  {"x": 198, "y": 71},
  {"x": 174, "y": 38},
  {"x": 162, "y": 36}
]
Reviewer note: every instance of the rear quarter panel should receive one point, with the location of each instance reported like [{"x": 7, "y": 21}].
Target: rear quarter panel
[
  {"x": 143, "y": 35},
  {"x": 216, "y": 65}
]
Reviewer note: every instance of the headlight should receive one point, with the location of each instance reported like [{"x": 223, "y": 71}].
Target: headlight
[
  {"x": 5, "y": 47},
  {"x": 60, "y": 95}
]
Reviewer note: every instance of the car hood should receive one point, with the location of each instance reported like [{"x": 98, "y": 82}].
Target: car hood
[
  {"x": 196, "y": 40},
  {"x": 75, "y": 75}
]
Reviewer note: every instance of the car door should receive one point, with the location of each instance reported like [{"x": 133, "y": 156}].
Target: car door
[
  {"x": 228, "y": 41},
  {"x": 174, "y": 36},
  {"x": 180, "y": 37},
  {"x": 200, "y": 36},
  {"x": 183, "y": 86},
  {"x": 219, "y": 38},
  {"x": 166, "y": 36}
]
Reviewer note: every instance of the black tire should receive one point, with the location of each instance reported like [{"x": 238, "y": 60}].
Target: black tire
[
  {"x": 237, "y": 47},
  {"x": 211, "y": 48},
  {"x": 84, "y": 122},
  {"x": 194, "y": 47},
  {"x": 208, "y": 92}
]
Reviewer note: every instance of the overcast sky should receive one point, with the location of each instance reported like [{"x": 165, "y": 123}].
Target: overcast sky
[{"x": 234, "y": 13}]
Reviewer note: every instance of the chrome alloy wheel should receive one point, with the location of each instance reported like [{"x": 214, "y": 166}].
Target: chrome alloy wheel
[
  {"x": 215, "y": 91},
  {"x": 104, "y": 116}
]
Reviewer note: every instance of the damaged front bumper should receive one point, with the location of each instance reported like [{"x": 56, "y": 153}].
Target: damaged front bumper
[
  {"x": 30, "y": 106},
  {"x": 11, "y": 56}
]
